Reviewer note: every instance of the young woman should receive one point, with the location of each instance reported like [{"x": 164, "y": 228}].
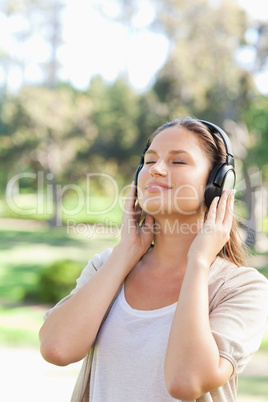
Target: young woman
[{"x": 171, "y": 312}]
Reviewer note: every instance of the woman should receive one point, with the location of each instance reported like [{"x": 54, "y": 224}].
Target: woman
[{"x": 170, "y": 313}]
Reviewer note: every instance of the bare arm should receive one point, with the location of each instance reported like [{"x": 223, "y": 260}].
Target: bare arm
[
  {"x": 193, "y": 365},
  {"x": 69, "y": 331}
]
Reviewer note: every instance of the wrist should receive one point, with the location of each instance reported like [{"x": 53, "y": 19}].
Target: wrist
[
  {"x": 198, "y": 261},
  {"x": 128, "y": 255}
]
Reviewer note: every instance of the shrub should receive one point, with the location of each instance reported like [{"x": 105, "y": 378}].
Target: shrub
[{"x": 56, "y": 281}]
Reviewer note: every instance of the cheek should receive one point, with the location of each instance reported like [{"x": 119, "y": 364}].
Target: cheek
[
  {"x": 189, "y": 194},
  {"x": 188, "y": 199},
  {"x": 191, "y": 184}
]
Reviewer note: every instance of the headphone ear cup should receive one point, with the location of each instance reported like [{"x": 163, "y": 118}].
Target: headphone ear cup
[
  {"x": 212, "y": 191},
  {"x": 222, "y": 177},
  {"x": 137, "y": 174}
]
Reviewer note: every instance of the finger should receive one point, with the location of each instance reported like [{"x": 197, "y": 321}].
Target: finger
[
  {"x": 137, "y": 211},
  {"x": 229, "y": 214},
  {"x": 148, "y": 225},
  {"x": 211, "y": 217},
  {"x": 149, "y": 220},
  {"x": 130, "y": 199},
  {"x": 222, "y": 207}
]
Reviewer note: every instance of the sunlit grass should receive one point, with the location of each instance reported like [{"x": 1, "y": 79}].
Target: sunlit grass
[
  {"x": 93, "y": 209},
  {"x": 20, "y": 325},
  {"x": 252, "y": 385},
  {"x": 23, "y": 255}
]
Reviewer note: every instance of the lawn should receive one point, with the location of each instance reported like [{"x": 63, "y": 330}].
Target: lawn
[{"x": 23, "y": 255}]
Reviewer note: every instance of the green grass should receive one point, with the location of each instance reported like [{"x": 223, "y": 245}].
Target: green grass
[
  {"x": 93, "y": 209},
  {"x": 252, "y": 385},
  {"x": 20, "y": 325},
  {"x": 264, "y": 271},
  {"x": 23, "y": 255},
  {"x": 264, "y": 345}
]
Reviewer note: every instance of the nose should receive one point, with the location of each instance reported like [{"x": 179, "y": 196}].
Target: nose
[{"x": 158, "y": 169}]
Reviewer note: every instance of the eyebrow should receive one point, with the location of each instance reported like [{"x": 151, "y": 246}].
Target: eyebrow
[{"x": 173, "y": 152}]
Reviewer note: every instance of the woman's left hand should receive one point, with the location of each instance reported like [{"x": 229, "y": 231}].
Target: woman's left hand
[{"x": 215, "y": 231}]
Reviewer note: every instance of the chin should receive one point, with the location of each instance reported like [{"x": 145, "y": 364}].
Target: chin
[{"x": 184, "y": 209}]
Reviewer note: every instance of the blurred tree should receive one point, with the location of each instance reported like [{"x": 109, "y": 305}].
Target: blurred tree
[
  {"x": 202, "y": 73},
  {"x": 114, "y": 116},
  {"x": 259, "y": 40},
  {"x": 33, "y": 20},
  {"x": 68, "y": 133},
  {"x": 257, "y": 123},
  {"x": 51, "y": 12},
  {"x": 43, "y": 130}
]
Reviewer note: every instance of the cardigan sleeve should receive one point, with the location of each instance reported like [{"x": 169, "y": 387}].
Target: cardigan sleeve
[
  {"x": 90, "y": 269},
  {"x": 239, "y": 316}
]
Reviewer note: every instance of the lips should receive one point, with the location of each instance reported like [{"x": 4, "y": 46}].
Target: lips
[{"x": 156, "y": 186}]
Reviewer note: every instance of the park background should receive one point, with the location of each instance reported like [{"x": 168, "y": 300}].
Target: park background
[{"x": 82, "y": 87}]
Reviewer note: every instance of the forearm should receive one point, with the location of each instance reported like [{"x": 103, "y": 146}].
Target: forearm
[
  {"x": 192, "y": 359},
  {"x": 69, "y": 331}
]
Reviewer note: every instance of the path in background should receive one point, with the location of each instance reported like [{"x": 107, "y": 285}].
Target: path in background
[{"x": 26, "y": 377}]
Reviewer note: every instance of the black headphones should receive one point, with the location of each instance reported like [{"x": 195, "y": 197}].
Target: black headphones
[{"x": 222, "y": 177}]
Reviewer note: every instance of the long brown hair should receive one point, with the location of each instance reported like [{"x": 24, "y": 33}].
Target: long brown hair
[{"x": 234, "y": 250}]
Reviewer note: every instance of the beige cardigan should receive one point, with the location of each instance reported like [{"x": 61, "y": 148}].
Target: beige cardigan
[{"x": 238, "y": 309}]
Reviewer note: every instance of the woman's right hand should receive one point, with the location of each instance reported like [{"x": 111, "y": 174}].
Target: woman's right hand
[{"x": 135, "y": 238}]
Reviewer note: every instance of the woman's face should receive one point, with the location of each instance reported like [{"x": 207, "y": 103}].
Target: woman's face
[{"x": 174, "y": 175}]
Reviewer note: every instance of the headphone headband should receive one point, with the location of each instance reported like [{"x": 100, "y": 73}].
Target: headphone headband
[{"x": 226, "y": 140}]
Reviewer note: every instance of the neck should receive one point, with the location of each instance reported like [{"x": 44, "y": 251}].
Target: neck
[{"x": 173, "y": 239}]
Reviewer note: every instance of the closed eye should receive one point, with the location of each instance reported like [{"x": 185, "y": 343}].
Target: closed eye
[{"x": 174, "y": 162}]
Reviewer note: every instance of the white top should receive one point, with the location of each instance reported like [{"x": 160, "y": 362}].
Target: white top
[{"x": 128, "y": 362}]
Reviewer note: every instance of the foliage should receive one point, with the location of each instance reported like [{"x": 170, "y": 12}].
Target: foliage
[
  {"x": 40, "y": 128},
  {"x": 114, "y": 119},
  {"x": 30, "y": 18},
  {"x": 43, "y": 130},
  {"x": 202, "y": 74},
  {"x": 256, "y": 120},
  {"x": 56, "y": 281},
  {"x": 66, "y": 133},
  {"x": 25, "y": 253}
]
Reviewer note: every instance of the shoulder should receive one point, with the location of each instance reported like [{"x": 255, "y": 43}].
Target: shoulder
[
  {"x": 225, "y": 271},
  {"x": 227, "y": 280},
  {"x": 99, "y": 259},
  {"x": 238, "y": 310},
  {"x": 92, "y": 267}
]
